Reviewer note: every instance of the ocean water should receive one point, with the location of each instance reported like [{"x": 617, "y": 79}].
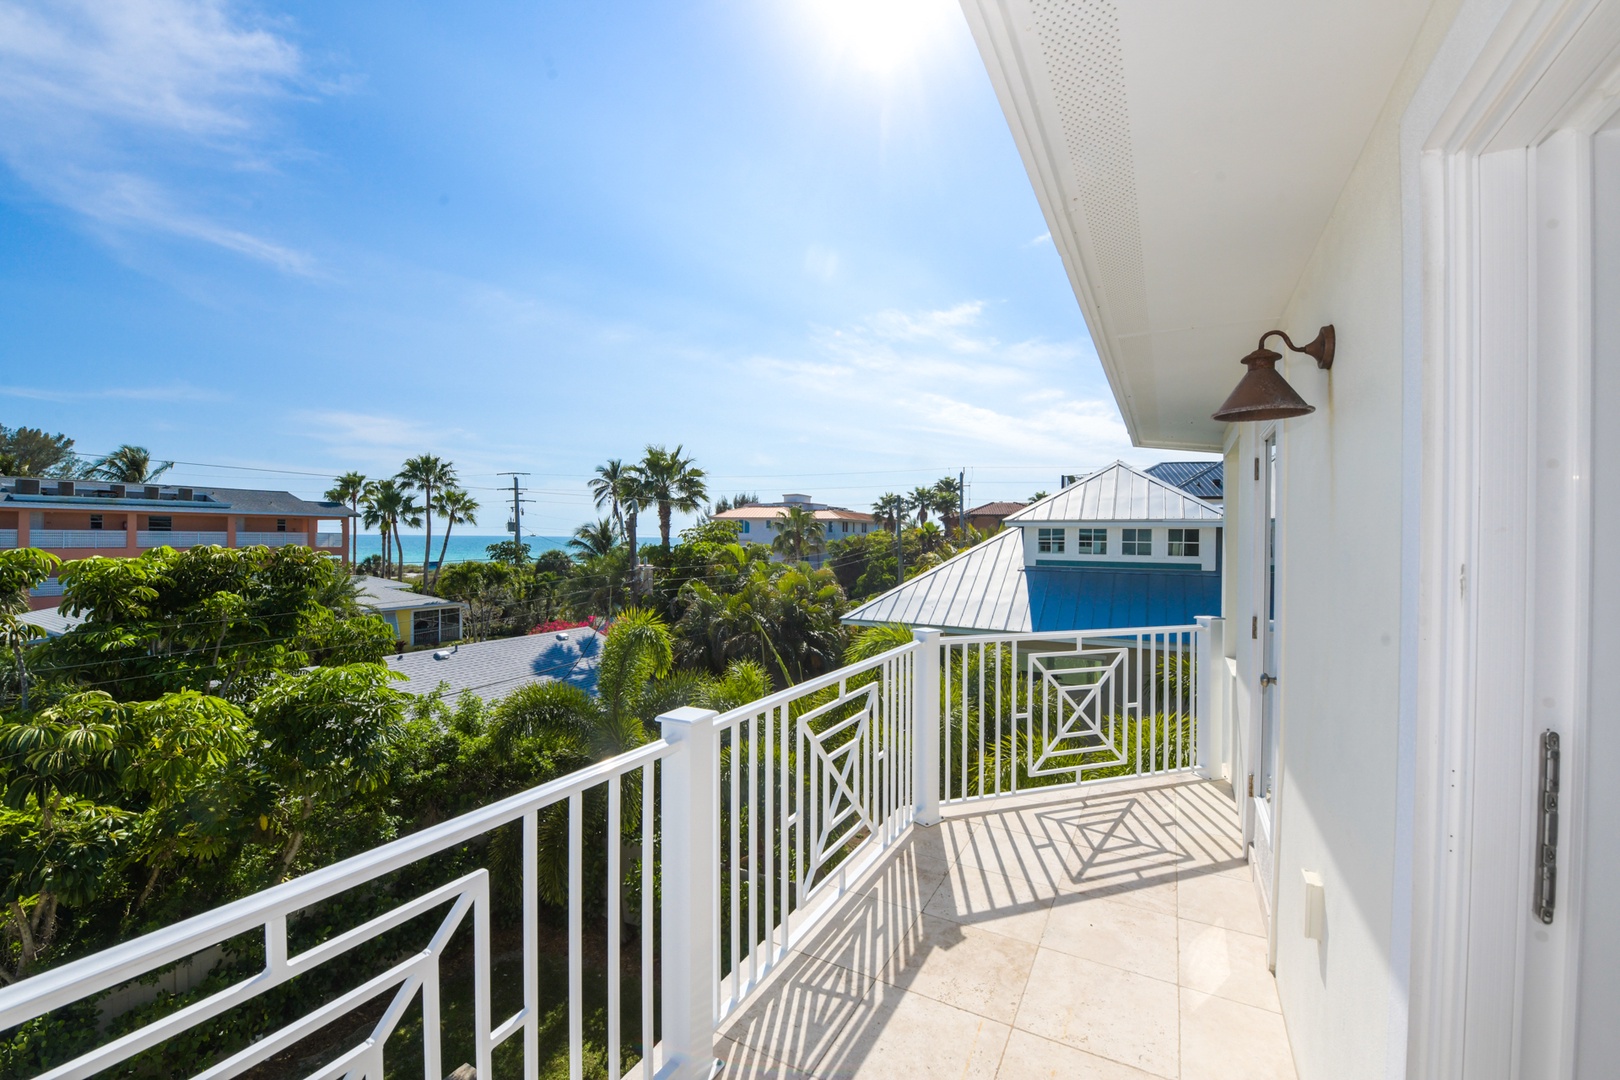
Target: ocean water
[{"x": 463, "y": 548}]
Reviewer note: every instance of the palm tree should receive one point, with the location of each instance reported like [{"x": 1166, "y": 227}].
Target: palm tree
[
  {"x": 733, "y": 502},
  {"x": 608, "y": 484},
  {"x": 347, "y": 489},
  {"x": 596, "y": 538},
  {"x": 891, "y": 511},
  {"x": 457, "y": 507},
  {"x": 922, "y": 500},
  {"x": 408, "y": 515},
  {"x": 948, "y": 501},
  {"x": 427, "y": 474},
  {"x": 674, "y": 483},
  {"x": 378, "y": 502},
  {"x": 129, "y": 465},
  {"x": 620, "y": 487},
  {"x": 798, "y": 533}
]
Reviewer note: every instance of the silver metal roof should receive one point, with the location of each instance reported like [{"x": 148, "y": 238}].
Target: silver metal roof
[
  {"x": 982, "y": 588},
  {"x": 1118, "y": 493}
]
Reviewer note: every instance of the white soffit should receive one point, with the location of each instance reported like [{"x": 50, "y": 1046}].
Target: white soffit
[{"x": 1187, "y": 156}]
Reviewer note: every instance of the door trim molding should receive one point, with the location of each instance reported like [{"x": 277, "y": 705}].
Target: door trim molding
[{"x": 1501, "y": 339}]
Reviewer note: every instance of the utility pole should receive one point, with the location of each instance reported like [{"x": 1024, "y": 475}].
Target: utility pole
[{"x": 516, "y": 524}]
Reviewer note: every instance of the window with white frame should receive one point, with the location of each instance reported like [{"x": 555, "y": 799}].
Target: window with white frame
[
  {"x": 1184, "y": 543},
  {"x": 1091, "y": 542},
  {"x": 1049, "y": 541},
  {"x": 1136, "y": 542}
]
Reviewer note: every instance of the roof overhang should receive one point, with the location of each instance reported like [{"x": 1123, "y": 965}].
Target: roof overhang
[{"x": 1187, "y": 157}]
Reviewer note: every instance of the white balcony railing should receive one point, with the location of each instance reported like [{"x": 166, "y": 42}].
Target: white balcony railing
[
  {"x": 8, "y": 538},
  {"x": 179, "y": 539},
  {"x": 56, "y": 539},
  {"x": 270, "y": 539},
  {"x": 329, "y": 540},
  {"x": 766, "y": 815}
]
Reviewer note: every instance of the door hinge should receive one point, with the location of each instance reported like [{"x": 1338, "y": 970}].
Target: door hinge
[
  {"x": 1547, "y": 830},
  {"x": 1251, "y": 785},
  {"x": 1257, "y": 468},
  {"x": 1254, "y": 627}
]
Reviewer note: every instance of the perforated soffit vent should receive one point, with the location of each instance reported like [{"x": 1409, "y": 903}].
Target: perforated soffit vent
[{"x": 1081, "y": 44}]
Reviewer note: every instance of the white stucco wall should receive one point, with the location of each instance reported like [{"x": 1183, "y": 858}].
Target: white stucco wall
[{"x": 1339, "y": 618}]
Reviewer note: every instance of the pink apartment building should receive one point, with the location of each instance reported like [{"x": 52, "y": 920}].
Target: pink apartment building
[{"x": 75, "y": 519}]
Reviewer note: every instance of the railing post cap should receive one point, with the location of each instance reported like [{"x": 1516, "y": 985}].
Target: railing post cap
[
  {"x": 924, "y": 633},
  {"x": 676, "y": 723}
]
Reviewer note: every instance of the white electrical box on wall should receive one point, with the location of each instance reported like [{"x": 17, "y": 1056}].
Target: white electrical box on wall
[{"x": 1315, "y": 905}]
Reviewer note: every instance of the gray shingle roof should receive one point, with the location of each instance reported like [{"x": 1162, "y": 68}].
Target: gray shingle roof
[
  {"x": 279, "y": 503},
  {"x": 493, "y": 669},
  {"x": 1118, "y": 493}
]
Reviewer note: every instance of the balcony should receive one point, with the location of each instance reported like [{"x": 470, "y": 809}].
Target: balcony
[
  {"x": 57, "y": 539},
  {"x": 154, "y": 539},
  {"x": 8, "y": 538},
  {"x": 329, "y": 540},
  {"x": 270, "y": 539},
  {"x": 972, "y": 856}
]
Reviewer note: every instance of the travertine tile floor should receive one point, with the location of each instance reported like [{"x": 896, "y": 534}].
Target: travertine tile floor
[{"x": 1106, "y": 934}]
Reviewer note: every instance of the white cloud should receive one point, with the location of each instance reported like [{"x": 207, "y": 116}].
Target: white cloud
[
  {"x": 98, "y": 99},
  {"x": 173, "y": 392},
  {"x": 1044, "y": 238},
  {"x": 905, "y": 379}
]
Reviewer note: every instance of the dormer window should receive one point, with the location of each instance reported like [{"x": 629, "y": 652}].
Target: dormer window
[
  {"x": 1184, "y": 543},
  {"x": 1091, "y": 542},
  {"x": 1136, "y": 542},
  {"x": 1049, "y": 541}
]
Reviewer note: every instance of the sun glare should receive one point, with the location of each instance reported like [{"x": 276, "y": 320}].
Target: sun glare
[{"x": 882, "y": 36}]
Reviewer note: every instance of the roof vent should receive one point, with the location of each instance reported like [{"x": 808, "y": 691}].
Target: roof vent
[
  {"x": 64, "y": 487},
  {"x": 151, "y": 491},
  {"x": 442, "y": 654},
  {"x": 185, "y": 495},
  {"x": 563, "y": 636},
  {"x": 119, "y": 491},
  {"x": 796, "y": 500},
  {"x": 28, "y": 486}
]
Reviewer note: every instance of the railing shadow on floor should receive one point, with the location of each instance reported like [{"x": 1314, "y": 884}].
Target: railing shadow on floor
[{"x": 826, "y": 1009}]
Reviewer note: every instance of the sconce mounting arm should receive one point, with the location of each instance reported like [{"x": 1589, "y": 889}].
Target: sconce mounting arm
[{"x": 1321, "y": 348}]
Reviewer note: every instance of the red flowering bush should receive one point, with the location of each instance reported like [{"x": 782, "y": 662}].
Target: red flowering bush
[{"x": 558, "y": 624}]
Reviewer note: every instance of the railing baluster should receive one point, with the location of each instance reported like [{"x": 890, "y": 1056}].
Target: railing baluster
[
  {"x": 767, "y": 863},
  {"x": 753, "y": 850},
  {"x": 432, "y": 1063},
  {"x": 614, "y": 882},
  {"x": 530, "y": 824},
  {"x": 576, "y": 938},
  {"x": 734, "y": 871},
  {"x": 648, "y": 1031}
]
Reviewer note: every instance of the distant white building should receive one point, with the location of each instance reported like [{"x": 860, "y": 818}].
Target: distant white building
[{"x": 759, "y": 522}]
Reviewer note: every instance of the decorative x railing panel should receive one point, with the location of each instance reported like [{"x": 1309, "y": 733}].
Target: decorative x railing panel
[
  {"x": 1075, "y": 709},
  {"x": 840, "y": 761}
]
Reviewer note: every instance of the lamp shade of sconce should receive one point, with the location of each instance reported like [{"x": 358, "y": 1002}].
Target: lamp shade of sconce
[{"x": 1262, "y": 393}]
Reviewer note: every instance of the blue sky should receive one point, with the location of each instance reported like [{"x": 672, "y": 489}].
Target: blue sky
[{"x": 795, "y": 237}]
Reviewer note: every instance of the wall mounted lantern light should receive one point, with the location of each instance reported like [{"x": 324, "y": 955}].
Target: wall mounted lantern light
[{"x": 1262, "y": 393}]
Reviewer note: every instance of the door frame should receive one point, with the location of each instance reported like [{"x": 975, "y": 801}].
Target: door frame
[{"x": 1501, "y": 171}]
